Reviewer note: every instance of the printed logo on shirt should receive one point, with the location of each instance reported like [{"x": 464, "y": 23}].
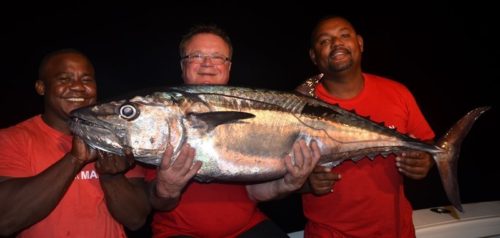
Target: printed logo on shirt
[{"x": 87, "y": 174}]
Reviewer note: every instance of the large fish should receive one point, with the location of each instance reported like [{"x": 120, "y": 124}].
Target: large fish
[{"x": 243, "y": 134}]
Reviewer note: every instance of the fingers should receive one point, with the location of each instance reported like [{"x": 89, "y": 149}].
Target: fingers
[
  {"x": 323, "y": 183},
  {"x": 129, "y": 155},
  {"x": 304, "y": 155},
  {"x": 414, "y": 164},
  {"x": 183, "y": 167},
  {"x": 81, "y": 151},
  {"x": 173, "y": 178},
  {"x": 324, "y": 173},
  {"x": 109, "y": 163},
  {"x": 304, "y": 159},
  {"x": 298, "y": 171},
  {"x": 165, "y": 161},
  {"x": 320, "y": 169},
  {"x": 322, "y": 180},
  {"x": 184, "y": 160},
  {"x": 315, "y": 151},
  {"x": 194, "y": 169},
  {"x": 300, "y": 151}
]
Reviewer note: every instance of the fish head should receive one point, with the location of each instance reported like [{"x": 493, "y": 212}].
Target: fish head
[{"x": 141, "y": 123}]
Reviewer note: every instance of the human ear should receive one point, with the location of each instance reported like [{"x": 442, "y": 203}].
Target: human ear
[
  {"x": 312, "y": 55},
  {"x": 40, "y": 87},
  {"x": 360, "y": 42}
]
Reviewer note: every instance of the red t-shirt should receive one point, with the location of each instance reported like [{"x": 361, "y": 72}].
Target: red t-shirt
[
  {"x": 29, "y": 148},
  {"x": 369, "y": 200},
  {"x": 208, "y": 210}
]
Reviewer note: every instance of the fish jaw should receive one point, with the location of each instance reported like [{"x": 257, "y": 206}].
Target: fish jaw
[
  {"x": 97, "y": 134},
  {"x": 103, "y": 127}
]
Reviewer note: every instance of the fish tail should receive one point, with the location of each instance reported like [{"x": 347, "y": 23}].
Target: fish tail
[{"x": 447, "y": 160}]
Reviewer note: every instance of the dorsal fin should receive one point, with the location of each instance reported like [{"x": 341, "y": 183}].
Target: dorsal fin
[{"x": 319, "y": 111}]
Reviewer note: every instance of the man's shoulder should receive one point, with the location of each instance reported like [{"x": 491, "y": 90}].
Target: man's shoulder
[
  {"x": 23, "y": 126},
  {"x": 308, "y": 86},
  {"x": 385, "y": 82}
]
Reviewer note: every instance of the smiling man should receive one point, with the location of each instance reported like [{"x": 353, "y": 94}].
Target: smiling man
[
  {"x": 188, "y": 208},
  {"x": 51, "y": 183},
  {"x": 205, "y": 59}
]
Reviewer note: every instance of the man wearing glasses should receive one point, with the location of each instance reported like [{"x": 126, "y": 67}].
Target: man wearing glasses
[{"x": 192, "y": 209}]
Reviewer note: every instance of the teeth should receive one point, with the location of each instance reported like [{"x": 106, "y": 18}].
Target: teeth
[
  {"x": 76, "y": 99},
  {"x": 338, "y": 53}
]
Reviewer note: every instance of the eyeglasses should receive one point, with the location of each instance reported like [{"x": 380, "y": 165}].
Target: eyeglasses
[{"x": 200, "y": 58}]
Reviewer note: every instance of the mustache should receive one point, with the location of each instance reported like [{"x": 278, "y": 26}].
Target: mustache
[{"x": 337, "y": 49}]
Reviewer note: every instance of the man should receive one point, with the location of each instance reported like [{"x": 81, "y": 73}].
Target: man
[
  {"x": 368, "y": 197},
  {"x": 195, "y": 209},
  {"x": 51, "y": 184}
]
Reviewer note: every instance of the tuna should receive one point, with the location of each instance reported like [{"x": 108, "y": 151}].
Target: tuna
[{"x": 243, "y": 134}]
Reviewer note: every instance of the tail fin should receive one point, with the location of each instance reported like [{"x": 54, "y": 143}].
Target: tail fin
[{"x": 447, "y": 161}]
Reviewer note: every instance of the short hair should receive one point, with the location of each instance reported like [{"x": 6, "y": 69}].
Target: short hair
[
  {"x": 325, "y": 18},
  {"x": 46, "y": 59},
  {"x": 200, "y": 29}
]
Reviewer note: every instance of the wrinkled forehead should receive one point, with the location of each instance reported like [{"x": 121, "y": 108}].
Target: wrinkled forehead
[{"x": 207, "y": 43}]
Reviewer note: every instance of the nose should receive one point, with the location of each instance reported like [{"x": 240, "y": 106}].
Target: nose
[
  {"x": 337, "y": 41},
  {"x": 207, "y": 61},
  {"x": 77, "y": 85}
]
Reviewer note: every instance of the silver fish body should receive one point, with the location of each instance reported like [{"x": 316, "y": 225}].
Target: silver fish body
[{"x": 243, "y": 134}]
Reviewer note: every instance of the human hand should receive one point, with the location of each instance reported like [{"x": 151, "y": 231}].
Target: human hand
[
  {"x": 414, "y": 164},
  {"x": 111, "y": 164},
  {"x": 306, "y": 158},
  {"x": 321, "y": 180},
  {"x": 81, "y": 152},
  {"x": 172, "y": 178}
]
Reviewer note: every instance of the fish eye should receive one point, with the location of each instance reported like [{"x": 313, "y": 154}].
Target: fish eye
[{"x": 128, "y": 111}]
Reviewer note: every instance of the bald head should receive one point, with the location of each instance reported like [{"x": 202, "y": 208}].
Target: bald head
[
  {"x": 325, "y": 20},
  {"x": 54, "y": 59}
]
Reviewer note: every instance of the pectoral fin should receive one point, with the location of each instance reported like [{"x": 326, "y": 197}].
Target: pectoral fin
[{"x": 210, "y": 120}]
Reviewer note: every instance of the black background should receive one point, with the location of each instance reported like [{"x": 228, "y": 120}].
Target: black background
[{"x": 446, "y": 54}]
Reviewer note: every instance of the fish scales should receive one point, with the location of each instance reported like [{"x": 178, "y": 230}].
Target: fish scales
[{"x": 243, "y": 134}]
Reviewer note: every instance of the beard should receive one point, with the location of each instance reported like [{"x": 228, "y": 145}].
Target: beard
[{"x": 339, "y": 66}]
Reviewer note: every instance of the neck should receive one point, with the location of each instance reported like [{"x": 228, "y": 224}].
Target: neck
[
  {"x": 344, "y": 86},
  {"x": 57, "y": 123}
]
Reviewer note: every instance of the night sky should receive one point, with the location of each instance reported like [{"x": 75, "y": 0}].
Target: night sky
[{"x": 447, "y": 55}]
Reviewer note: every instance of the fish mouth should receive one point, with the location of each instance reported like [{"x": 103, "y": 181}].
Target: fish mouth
[
  {"x": 80, "y": 121},
  {"x": 97, "y": 135},
  {"x": 84, "y": 127}
]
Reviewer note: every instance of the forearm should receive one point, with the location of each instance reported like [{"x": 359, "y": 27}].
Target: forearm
[
  {"x": 275, "y": 189},
  {"x": 26, "y": 201},
  {"x": 166, "y": 202},
  {"x": 126, "y": 199},
  {"x": 306, "y": 188}
]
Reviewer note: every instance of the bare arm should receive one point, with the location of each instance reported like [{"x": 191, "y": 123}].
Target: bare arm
[
  {"x": 26, "y": 201},
  {"x": 165, "y": 191},
  {"x": 126, "y": 198},
  {"x": 305, "y": 160}
]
